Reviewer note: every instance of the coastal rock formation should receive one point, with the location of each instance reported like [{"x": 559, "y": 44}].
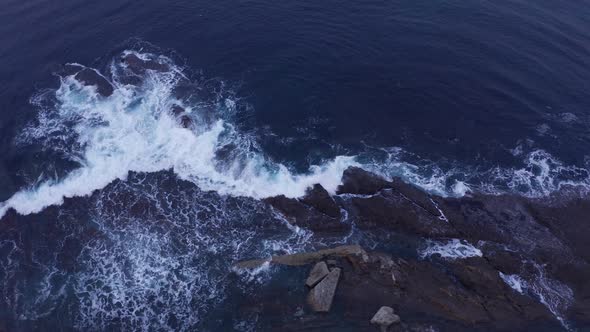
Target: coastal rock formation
[
  {"x": 498, "y": 262},
  {"x": 140, "y": 65},
  {"x": 89, "y": 77},
  {"x": 316, "y": 211}
]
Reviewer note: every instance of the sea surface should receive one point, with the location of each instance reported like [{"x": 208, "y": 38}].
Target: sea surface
[{"x": 114, "y": 216}]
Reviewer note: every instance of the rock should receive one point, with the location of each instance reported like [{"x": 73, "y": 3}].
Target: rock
[
  {"x": 185, "y": 121},
  {"x": 299, "y": 213},
  {"x": 385, "y": 317},
  {"x": 91, "y": 77},
  {"x": 176, "y": 110},
  {"x": 321, "y": 296},
  {"x": 318, "y": 272},
  {"x": 139, "y": 65},
  {"x": 318, "y": 198},
  {"x": 306, "y": 258},
  {"x": 358, "y": 181},
  {"x": 393, "y": 211}
]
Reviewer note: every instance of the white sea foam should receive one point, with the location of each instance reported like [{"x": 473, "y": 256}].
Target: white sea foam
[
  {"x": 452, "y": 249},
  {"x": 514, "y": 281},
  {"x": 556, "y": 296},
  {"x": 133, "y": 130}
]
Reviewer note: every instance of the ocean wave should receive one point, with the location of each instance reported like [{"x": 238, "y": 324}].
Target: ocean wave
[
  {"x": 156, "y": 118},
  {"x": 135, "y": 130}
]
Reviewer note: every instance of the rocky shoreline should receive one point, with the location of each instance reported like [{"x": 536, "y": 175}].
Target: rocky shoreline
[
  {"x": 387, "y": 255},
  {"x": 503, "y": 263}
]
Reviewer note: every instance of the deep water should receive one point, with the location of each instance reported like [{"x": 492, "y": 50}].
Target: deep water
[{"x": 453, "y": 96}]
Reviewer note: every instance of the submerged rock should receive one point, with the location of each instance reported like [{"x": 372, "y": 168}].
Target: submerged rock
[
  {"x": 318, "y": 272},
  {"x": 321, "y": 296},
  {"x": 139, "y": 65},
  {"x": 185, "y": 121},
  {"x": 91, "y": 77},
  {"x": 385, "y": 317}
]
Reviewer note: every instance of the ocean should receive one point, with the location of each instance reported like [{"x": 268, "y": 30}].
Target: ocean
[{"x": 115, "y": 215}]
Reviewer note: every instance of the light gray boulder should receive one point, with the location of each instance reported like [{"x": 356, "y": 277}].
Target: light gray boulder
[
  {"x": 385, "y": 317},
  {"x": 318, "y": 272},
  {"x": 321, "y": 296}
]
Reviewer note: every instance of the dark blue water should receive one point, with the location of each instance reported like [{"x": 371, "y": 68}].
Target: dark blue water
[
  {"x": 493, "y": 95},
  {"x": 460, "y": 81}
]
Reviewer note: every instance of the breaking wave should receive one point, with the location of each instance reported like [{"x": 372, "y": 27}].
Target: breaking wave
[
  {"x": 158, "y": 118},
  {"x": 136, "y": 130}
]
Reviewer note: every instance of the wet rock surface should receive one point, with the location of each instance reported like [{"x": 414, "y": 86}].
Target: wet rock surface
[
  {"x": 316, "y": 211},
  {"x": 90, "y": 77},
  {"x": 140, "y": 65},
  {"x": 529, "y": 272}
]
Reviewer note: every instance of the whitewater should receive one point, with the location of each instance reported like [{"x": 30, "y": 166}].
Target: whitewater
[{"x": 134, "y": 130}]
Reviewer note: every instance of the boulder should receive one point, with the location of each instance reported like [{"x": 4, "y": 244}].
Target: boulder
[
  {"x": 318, "y": 272},
  {"x": 391, "y": 210},
  {"x": 316, "y": 212},
  {"x": 321, "y": 296},
  {"x": 385, "y": 317}
]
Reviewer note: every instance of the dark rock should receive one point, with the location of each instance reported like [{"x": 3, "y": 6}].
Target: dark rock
[
  {"x": 321, "y": 296},
  {"x": 507, "y": 262},
  {"x": 516, "y": 235},
  {"x": 566, "y": 219},
  {"x": 176, "y": 110},
  {"x": 185, "y": 121},
  {"x": 392, "y": 211},
  {"x": 91, "y": 77},
  {"x": 318, "y": 198},
  {"x": 360, "y": 182},
  {"x": 317, "y": 273},
  {"x": 138, "y": 65},
  {"x": 306, "y": 216}
]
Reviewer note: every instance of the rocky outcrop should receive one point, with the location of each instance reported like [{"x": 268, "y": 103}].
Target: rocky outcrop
[
  {"x": 316, "y": 211},
  {"x": 538, "y": 242},
  {"x": 357, "y": 181},
  {"x": 90, "y": 77},
  {"x": 140, "y": 65},
  {"x": 307, "y": 257}
]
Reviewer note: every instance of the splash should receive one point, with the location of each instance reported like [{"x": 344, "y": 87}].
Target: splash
[
  {"x": 135, "y": 129},
  {"x": 146, "y": 114},
  {"x": 452, "y": 249}
]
